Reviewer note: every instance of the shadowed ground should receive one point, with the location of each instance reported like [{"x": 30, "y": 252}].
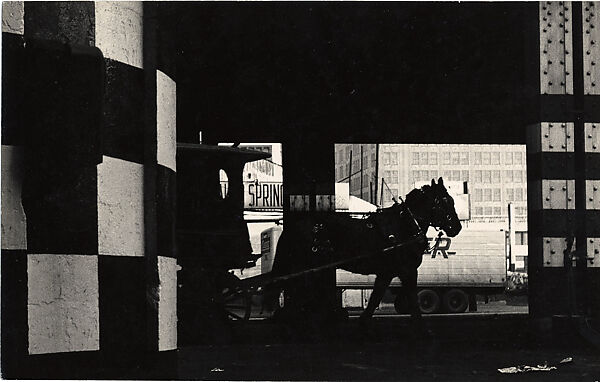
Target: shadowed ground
[{"x": 458, "y": 348}]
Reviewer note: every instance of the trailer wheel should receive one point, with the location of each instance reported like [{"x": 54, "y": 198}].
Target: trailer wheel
[
  {"x": 429, "y": 301},
  {"x": 401, "y": 303},
  {"x": 455, "y": 301}
]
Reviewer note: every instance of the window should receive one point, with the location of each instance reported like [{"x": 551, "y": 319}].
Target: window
[
  {"x": 415, "y": 175},
  {"x": 394, "y": 177},
  {"x": 487, "y": 176},
  {"x": 510, "y": 195},
  {"x": 446, "y": 174},
  {"x": 373, "y": 158},
  {"x": 455, "y": 158},
  {"x": 415, "y": 158},
  {"x": 508, "y": 176},
  {"x": 386, "y": 159},
  {"x": 456, "y": 175},
  {"x": 497, "y": 195},
  {"x": 433, "y": 158},
  {"x": 394, "y": 158},
  {"x": 433, "y": 174},
  {"x": 465, "y": 176},
  {"x": 520, "y": 238},
  {"x": 495, "y": 158},
  {"x": 518, "y": 158},
  {"x": 521, "y": 211},
  {"x": 497, "y": 211},
  {"x": 464, "y": 158},
  {"x": 478, "y": 195},
  {"x": 424, "y": 158},
  {"x": 477, "y": 176},
  {"x": 366, "y": 161},
  {"x": 485, "y": 158},
  {"x": 496, "y": 176},
  {"x": 445, "y": 158},
  {"x": 487, "y": 195},
  {"x": 518, "y": 176},
  {"x": 487, "y": 211},
  {"x": 508, "y": 158},
  {"x": 518, "y": 194},
  {"x": 477, "y": 158},
  {"x": 478, "y": 211}
]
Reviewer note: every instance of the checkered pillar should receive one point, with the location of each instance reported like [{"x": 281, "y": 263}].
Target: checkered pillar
[
  {"x": 88, "y": 169},
  {"x": 563, "y": 164}
]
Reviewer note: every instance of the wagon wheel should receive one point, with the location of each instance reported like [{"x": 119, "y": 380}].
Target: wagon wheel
[{"x": 237, "y": 306}]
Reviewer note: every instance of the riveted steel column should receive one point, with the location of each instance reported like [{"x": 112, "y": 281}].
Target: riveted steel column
[{"x": 564, "y": 165}]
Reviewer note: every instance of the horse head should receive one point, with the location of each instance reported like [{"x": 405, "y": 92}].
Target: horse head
[{"x": 443, "y": 213}]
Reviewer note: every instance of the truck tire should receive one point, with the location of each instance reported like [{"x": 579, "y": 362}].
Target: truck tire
[
  {"x": 455, "y": 301},
  {"x": 429, "y": 301},
  {"x": 401, "y": 303}
]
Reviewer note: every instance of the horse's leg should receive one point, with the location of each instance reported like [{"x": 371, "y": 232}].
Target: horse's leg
[
  {"x": 409, "y": 284},
  {"x": 382, "y": 282}
]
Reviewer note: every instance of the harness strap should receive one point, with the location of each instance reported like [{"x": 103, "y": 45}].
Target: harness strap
[{"x": 266, "y": 279}]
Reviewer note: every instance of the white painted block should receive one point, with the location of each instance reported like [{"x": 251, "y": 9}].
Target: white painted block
[
  {"x": 167, "y": 303},
  {"x": 119, "y": 31},
  {"x": 14, "y": 222},
  {"x": 13, "y": 17},
  {"x": 120, "y": 208},
  {"x": 166, "y": 113},
  {"x": 62, "y": 303}
]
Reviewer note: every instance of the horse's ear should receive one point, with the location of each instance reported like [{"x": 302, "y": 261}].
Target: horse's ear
[
  {"x": 441, "y": 181},
  {"x": 432, "y": 182}
]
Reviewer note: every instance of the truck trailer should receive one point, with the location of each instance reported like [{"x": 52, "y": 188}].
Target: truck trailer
[{"x": 453, "y": 271}]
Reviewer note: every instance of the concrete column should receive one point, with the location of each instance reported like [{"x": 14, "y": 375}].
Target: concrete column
[
  {"x": 88, "y": 168},
  {"x": 309, "y": 194},
  {"x": 14, "y": 221}
]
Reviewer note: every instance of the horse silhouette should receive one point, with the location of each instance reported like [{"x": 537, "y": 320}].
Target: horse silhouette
[{"x": 388, "y": 243}]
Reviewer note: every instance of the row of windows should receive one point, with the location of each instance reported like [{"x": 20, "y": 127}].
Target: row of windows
[
  {"x": 495, "y": 195},
  {"x": 466, "y": 158},
  {"x": 498, "y": 211},
  {"x": 477, "y": 176},
  {"x": 343, "y": 156},
  {"x": 493, "y": 176}
]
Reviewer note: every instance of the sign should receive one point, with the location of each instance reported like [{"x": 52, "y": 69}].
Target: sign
[
  {"x": 260, "y": 195},
  {"x": 266, "y": 195}
]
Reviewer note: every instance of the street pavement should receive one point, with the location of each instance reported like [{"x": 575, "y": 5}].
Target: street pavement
[{"x": 467, "y": 347}]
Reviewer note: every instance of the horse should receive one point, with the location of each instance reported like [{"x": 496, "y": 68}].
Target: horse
[{"x": 388, "y": 243}]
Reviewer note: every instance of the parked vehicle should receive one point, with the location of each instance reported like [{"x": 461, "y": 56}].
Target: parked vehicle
[{"x": 453, "y": 271}]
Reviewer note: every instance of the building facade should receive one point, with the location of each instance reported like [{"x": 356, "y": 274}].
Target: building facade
[{"x": 496, "y": 174}]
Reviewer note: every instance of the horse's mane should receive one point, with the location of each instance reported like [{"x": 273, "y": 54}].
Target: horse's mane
[{"x": 418, "y": 193}]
